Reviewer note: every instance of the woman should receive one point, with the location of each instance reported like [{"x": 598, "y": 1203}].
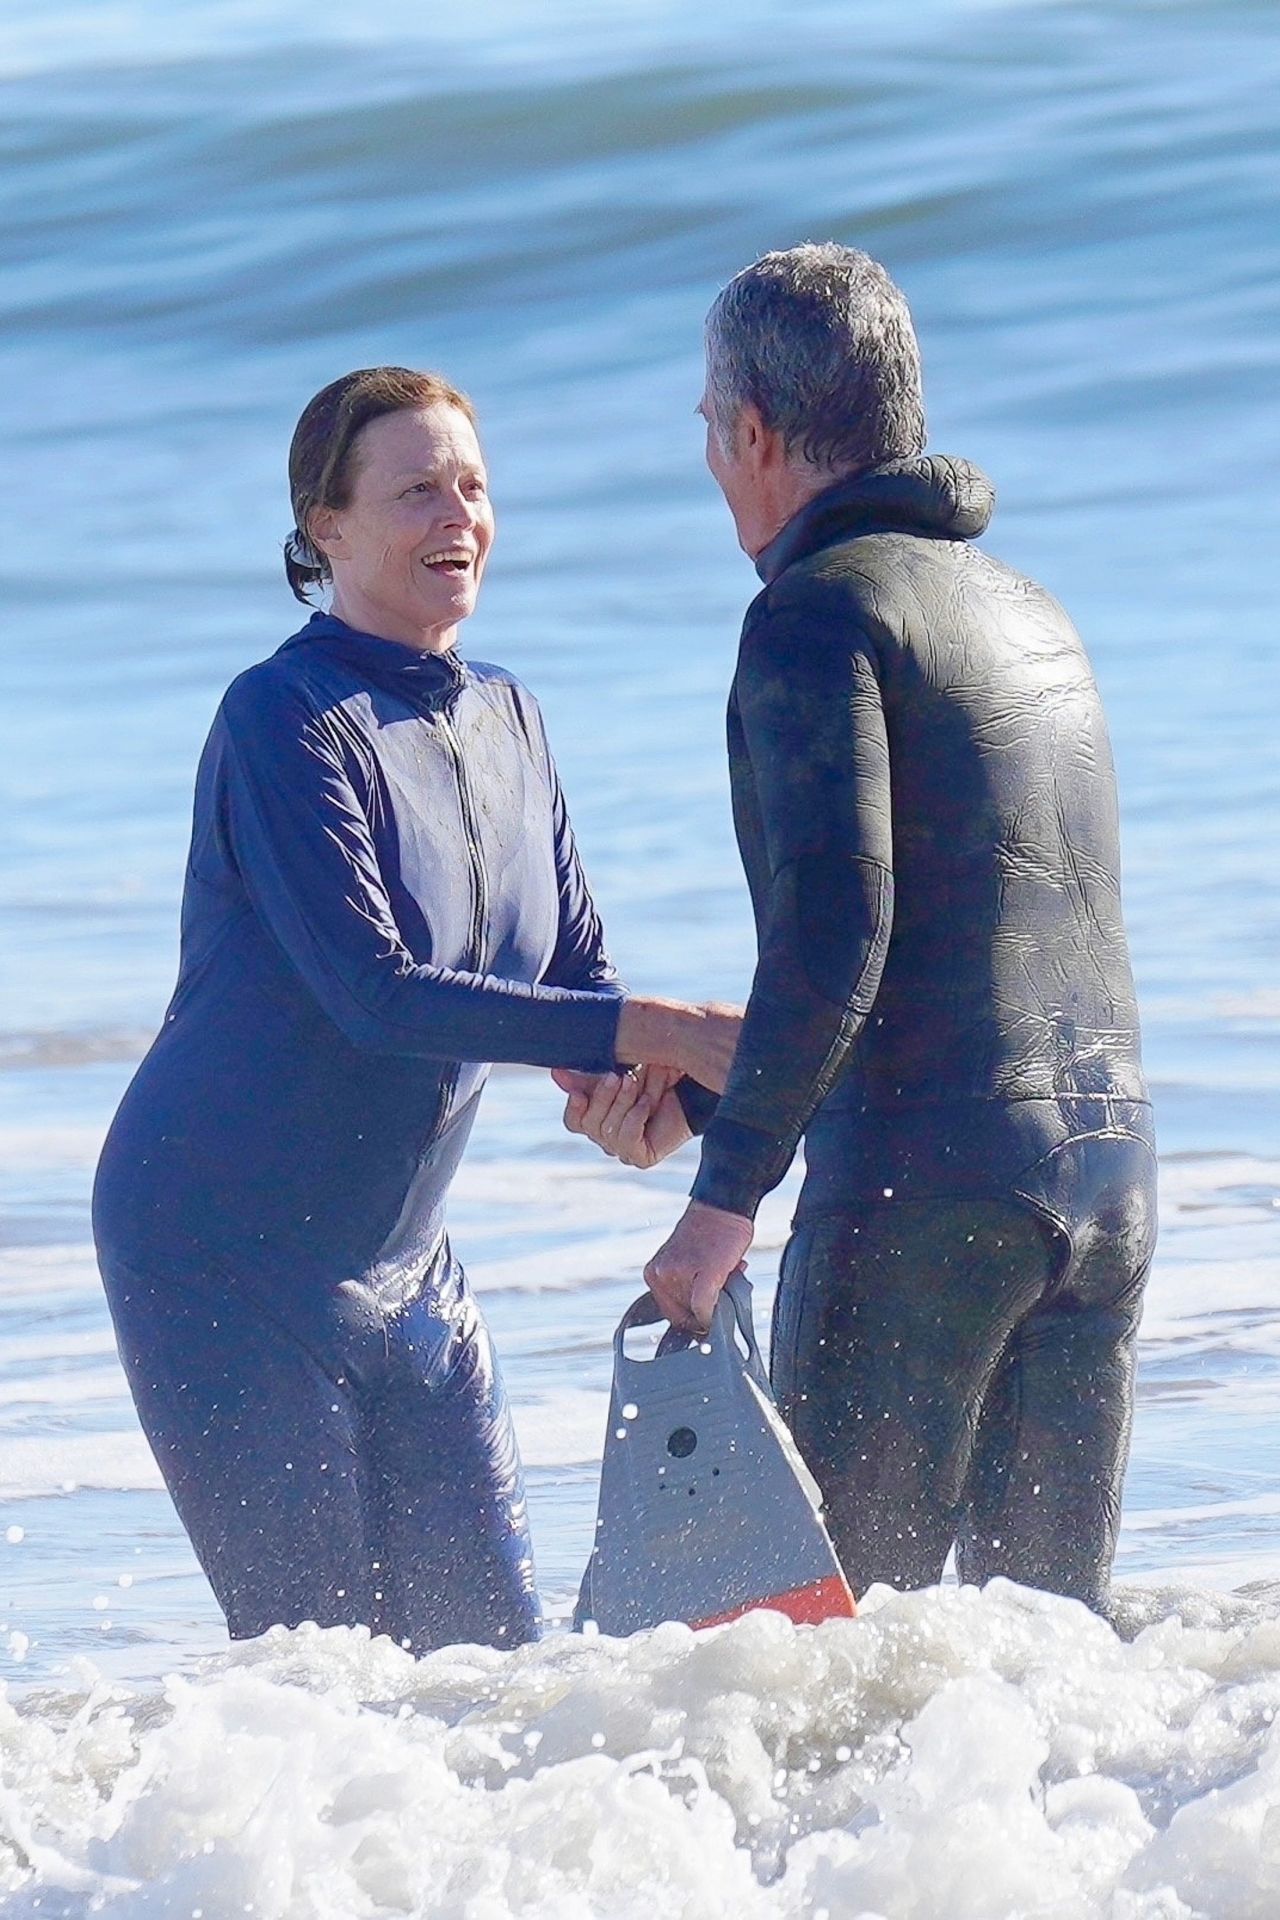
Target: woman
[{"x": 383, "y": 893}]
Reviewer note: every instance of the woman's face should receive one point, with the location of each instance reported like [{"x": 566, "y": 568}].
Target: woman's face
[{"x": 408, "y": 550}]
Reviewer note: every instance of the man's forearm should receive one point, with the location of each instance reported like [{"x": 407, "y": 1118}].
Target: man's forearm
[{"x": 799, "y": 1029}]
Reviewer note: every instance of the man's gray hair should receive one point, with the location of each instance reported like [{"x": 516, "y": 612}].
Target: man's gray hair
[{"x": 819, "y": 339}]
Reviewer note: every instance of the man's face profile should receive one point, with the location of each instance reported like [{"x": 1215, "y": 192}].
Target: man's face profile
[{"x": 731, "y": 472}]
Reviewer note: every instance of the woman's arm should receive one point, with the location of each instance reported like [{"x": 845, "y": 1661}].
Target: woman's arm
[{"x": 301, "y": 842}]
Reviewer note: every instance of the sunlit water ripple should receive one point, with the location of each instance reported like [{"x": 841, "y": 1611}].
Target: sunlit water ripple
[{"x": 206, "y": 212}]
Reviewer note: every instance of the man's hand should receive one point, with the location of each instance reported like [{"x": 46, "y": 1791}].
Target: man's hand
[
  {"x": 686, "y": 1275},
  {"x": 635, "y": 1117}
]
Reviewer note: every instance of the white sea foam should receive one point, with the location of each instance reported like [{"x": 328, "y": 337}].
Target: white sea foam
[
  {"x": 82, "y": 1388},
  {"x": 53, "y": 1348},
  {"x": 44, "y": 1271},
  {"x": 979, "y": 1756},
  {"x": 210, "y": 224},
  {"x": 34, "y": 1465},
  {"x": 563, "y": 1428},
  {"x": 40, "y": 1148}
]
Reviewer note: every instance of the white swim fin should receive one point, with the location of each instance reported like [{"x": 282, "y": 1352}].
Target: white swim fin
[{"x": 707, "y": 1510}]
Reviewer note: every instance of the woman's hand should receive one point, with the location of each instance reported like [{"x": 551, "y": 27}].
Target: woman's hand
[
  {"x": 635, "y": 1117},
  {"x": 699, "y": 1041}
]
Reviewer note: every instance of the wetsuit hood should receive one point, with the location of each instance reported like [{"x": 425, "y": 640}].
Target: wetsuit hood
[
  {"x": 421, "y": 678},
  {"x": 934, "y": 495}
]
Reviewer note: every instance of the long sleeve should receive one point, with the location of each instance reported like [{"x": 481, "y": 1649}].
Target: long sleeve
[
  {"x": 301, "y": 841},
  {"x": 812, "y": 794}
]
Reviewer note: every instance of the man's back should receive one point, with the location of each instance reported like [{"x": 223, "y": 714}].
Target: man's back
[
  {"x": 1007, "y": 974},
  {"x": 925, "y": 803},
  {"x": 906, "y": 707}
]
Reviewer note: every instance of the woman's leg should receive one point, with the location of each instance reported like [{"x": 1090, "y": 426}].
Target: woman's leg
[
  {"x": 257, "y": 1444},
  {"x": 447, "y": 1504}
]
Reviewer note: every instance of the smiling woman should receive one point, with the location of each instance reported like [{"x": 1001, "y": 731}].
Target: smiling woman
[
  {"x": 383, "y": 894},
  {"x": 408, "y": 525}
]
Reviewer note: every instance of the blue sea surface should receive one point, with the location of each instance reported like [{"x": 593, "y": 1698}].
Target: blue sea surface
[{"x": 208, "y": 211}]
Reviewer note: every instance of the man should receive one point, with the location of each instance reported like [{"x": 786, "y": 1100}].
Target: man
[{"x": 943, "y": 1007}]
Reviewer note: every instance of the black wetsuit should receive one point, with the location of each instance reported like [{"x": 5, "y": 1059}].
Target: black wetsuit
[
  {"x": 383, "y": 894},
  {"x": 943, "y": 1006}
]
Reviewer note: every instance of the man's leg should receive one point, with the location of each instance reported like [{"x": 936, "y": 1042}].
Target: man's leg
[
  {"x": 888, "y": 1329},
  {"x": 256, "y": 1444},
  {"x": 1043, "y": 1499}
]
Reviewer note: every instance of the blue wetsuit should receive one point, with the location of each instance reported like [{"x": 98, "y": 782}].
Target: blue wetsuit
[{"x": 383, "y": 895}]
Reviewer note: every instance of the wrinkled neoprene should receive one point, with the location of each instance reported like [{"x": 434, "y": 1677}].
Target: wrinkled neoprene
[
  {"x": 960, "y": 1369},
  {"x": 383, "y": 895},
  {"x": 943, "y": 1007}
]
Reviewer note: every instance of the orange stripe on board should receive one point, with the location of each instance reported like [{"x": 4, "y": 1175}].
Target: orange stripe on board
[{"x": 827, "y": 1599}]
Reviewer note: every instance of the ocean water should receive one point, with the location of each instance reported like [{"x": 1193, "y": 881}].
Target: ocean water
[{"x": 206, "y": 211}]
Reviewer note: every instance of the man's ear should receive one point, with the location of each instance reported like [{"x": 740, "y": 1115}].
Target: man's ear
[{"x": 760, "y": 447}]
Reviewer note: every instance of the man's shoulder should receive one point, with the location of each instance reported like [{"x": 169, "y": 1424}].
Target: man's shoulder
[
  {"x": 830, "y": 595},
  {"x": 887, "y": 585}
]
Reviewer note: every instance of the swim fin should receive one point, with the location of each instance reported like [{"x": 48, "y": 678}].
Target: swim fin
[{"x": 706, "y": 1509}]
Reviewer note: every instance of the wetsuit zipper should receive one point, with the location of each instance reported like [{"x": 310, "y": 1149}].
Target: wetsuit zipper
[
  {"x": 475, "y": 957},
  {"x": 471, "y": 833}
]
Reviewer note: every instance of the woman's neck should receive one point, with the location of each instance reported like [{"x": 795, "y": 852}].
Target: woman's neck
[{"x": 369, "y": 618}]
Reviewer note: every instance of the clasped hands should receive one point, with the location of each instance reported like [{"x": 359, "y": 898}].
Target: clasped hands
[{"x": 635, "y": 1116}]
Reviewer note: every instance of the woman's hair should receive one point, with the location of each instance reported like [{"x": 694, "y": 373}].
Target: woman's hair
[{"x": 322, "y": 454}]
